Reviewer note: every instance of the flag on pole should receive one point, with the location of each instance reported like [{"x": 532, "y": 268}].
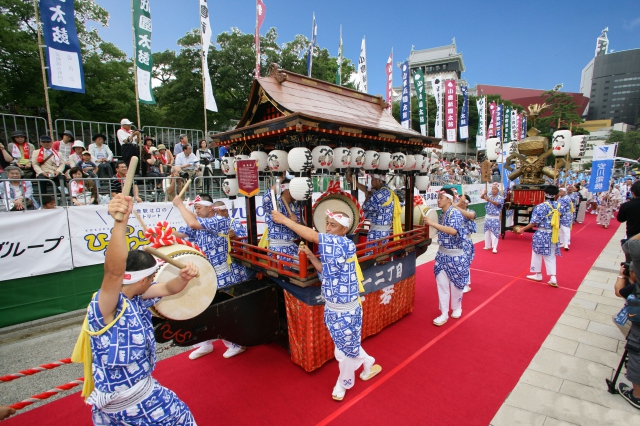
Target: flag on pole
[
  {"x": 314, "y": 34},
  {"x": 451, "y": 109},
  {"x": 519, "y": 127},
  {"x": 389, "y": 71},
  {"x": 524, "y": 125},
  {"x": 481, "y": 135},
  {"x": 362, "y": 67},
  {"x": 419, "y": 83},
  {"x": 506, "y": 112},
  {"x": 464, "y": 114},
  {"x": 405, "y": 103},
  {"x": 205, "y": 33},
  {"x": 64, "y": 58},
  {"x": 261, "y": 10},
  {"x": 601, "y": 168},
  {"x": 144, "y": 61},
  {"x": 436, "y": 84},
  {"x": 493, "y": 110},
  {"x": 499, "y": 123},
  {"x": 514, "y": 125},
  {"x": 339, "y": 72}
]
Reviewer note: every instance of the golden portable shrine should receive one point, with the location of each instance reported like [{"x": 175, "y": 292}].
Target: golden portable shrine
[{"x": 297, "y": 124}]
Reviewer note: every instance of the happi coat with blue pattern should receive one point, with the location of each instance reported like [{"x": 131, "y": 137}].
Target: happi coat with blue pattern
[
  {"x": 238, "y": 270},
  {"x": 472, "y": 228},
  {"x": 123, "y": 356},
  {"x": 456, "y": 267},
  {"x": 541, "y": 216},
  {"x": 378, "y": 213},
  {"x": 278, "y": 231},
  {"x": 564, "y": 206},
  {"x": 340, "y": 285},
  {"x": 493, "y": 225}
]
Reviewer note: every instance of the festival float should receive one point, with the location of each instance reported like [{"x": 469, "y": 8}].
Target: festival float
[{"x": 317, "y": 132}]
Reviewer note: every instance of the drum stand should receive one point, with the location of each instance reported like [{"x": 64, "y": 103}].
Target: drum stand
[{"x": 611, "y": 384}]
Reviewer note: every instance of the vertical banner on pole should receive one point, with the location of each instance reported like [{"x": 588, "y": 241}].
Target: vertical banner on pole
[
  {"x": 601, "y": 168},
  {"x": 405, "y": 103},
  {"x": 506, "y": 117},
  {"x": 524, "y": 125},
  {"x": 418, "y": 82},
  {"x": 436, "y": 84},
  {"x": 362, "y": 67},
  {"x": 64, "y": 57},
  {"x": 451, "y": 109},
  {"x": 499, "y": 122},
  {"x": 514, "y": 125},
  {"x": 389, "y": 71},
  {"x": 464, "y": 114},
  {"x": 314, "y": 35},
  {"x": 481, "y": 135},
  {"x": 339, "y": 71},
  {"x": 144, "y": 61},
  {"x": 493, "y": 110},
  {"x": 261, "y": 10},
  {"x": 205, "y": 28},
  {"x": 519, "y": 127}
]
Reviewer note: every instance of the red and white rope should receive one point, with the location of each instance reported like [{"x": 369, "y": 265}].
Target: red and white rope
[
  {"x": 32, "y": 371},
  {"x": 48, "y": 394},
  {"x": 162, "y": 235}
]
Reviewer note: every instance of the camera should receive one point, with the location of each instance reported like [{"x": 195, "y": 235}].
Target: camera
[
  {"x": 184, "y": 175},
  {"x": 625, "y": 268}
]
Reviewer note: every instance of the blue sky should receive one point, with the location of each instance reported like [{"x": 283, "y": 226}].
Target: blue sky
[{"x": 510, "y": 43}]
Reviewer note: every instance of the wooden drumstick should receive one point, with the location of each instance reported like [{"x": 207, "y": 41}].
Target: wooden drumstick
[
  {"x": 186, "y": 186},
  {"x": 128, "y": 182},
  {"x": 144, "y": 226},
  {"x": 166, "y": 258}
]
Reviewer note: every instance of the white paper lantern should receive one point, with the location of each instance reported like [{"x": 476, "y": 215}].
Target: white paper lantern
[
  {"x": 341, "y": 158},
  {"x": 426, "y": 164},
  {"x": 262, "y": 159},
  {"x": 419, "y": 162},
  {"x": 561, "y": 142},
  {"x": 578, "y": 146},
  {"x": 230, "y": 187},
  {"x": 422, "y": 183},
  {"x": 384, "y": 160},
  {"x": 493, "y": 149},
  {"x": 301, "y": 188},
  {"x": 371, "y": 160},
  {"x": 398, "y": 161},
  {"x": 300, "y": 160},
  {"x": 410, "y": 163},
  {"x": 278, "y": 161},
  {"x": 322, "y": 157},
  {"x": 357, "y": 157},
  {"x": 227, "y": 165},
  {"x": 235, "y": 161}
]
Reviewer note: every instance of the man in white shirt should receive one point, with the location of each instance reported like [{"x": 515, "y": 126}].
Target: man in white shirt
[
  {"x": 128, "y": 141},
  {"x": 187, "y": 161}
]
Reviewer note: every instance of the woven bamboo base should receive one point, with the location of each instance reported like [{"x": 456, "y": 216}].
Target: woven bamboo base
[{"x": 310, "y": 342}]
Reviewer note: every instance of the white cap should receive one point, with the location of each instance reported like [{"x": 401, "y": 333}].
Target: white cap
[
  {"x": 125, "y": 121},
  {"x": 78, "y": 144}
]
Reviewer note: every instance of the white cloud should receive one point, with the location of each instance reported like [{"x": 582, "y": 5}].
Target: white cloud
[{"x": 631, "y": 25}]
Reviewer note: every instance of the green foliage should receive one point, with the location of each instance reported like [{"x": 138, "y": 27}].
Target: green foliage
[
  {"x": 628, "y": 143},
  {"x": 562, "y": 112}
]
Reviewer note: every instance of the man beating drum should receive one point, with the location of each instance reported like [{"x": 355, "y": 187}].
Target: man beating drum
[
  {"x": 210, "y": 231},
  {"x": 341, "y": 279}
]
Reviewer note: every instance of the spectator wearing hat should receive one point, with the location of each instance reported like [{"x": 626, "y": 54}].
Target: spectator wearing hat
[
  {"x": 146, "y": 154},
  {"x": 47, "y": 164},
  {"x": 88, "y": 167},
  {"x": 17, "y": 194},
  {"x": 166, "y": 157},
  {"x": 83, "y": 192},
  {"x": 21, "y": 151},
  {"x": 101, "y": 154},
  {"x": 64, "y": 147},
  {"x": 128, "y": 140},
  {"x": 183, "y": 141},
  {"x": 76, "y": 153}
]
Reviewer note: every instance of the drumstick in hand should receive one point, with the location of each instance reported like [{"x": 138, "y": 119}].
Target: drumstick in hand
[
  {"x": 144, "y": 226},
  {"x": 186, "y": 186},
  {"x": 128, "y": 182},
  {"x": 166, "y": 258}
]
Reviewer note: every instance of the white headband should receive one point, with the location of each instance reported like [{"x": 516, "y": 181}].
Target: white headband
[
  {"x": 284, "y": 186},
  {"x": 218, "y": 208},
  {"x": 135, "y": 276},
  {"x": 342, "y": 219},
  {"x": 449, "y": 196},
  {"x": 202, "y": 202}
]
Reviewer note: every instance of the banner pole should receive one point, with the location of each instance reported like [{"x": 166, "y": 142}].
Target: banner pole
[
  {"x": 204, "y": 85},
  {"x": 44, "y": 73},
  {"x": 256, "y": 35},
  {"x": 135, "y": 66}
]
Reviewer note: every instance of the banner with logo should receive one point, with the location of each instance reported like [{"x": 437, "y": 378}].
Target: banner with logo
[
  {"x": 499, "y": 123},
  {"x": 389, "y": 71},
  {"x": 493, "y": 110},
  {"x": 64, "y": 58},
  {"x": 602, "y": 167},
  {"x": 481, "y": 135},
  {"x": 261, "y": 10},
  {"x": 464, "y": 114},
  {"x": 451, "y": 109},
  {"x": 144, "y": 62},
  {"x": 362, "y": 67},
  {"x": 524, "y": 125},
  {"x": 405, "y": 101},
  {"x": 205, "y": 33},
  {"x": 339, "y": 71},
  {"x": 419, "y": 83},
  {"x": 34, "y": 243}
]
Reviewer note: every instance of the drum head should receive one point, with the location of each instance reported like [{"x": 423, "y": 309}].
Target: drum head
[
  {"x": 335, "y": 203},
  {"x": 432, "y": 214},
  {"x": 196, "y": 296}
]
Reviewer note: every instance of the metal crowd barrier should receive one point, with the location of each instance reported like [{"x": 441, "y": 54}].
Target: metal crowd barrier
[
  {"x": 170, "y": 136},
  {"x": 150, "y": 189},
  {"x": 84, "y": 130},
  {"x": 33, "y": 127},
  {"x": 37, "y": 196}
]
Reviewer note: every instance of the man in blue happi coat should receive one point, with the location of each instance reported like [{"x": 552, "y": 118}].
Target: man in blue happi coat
[
  {"x": 566, "y": 208},
  {"x": 492, "y": 223},
  {"x": 278, "y": 237}
]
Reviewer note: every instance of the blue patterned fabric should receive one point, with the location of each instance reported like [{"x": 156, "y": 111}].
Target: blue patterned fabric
[
  {"x": 378, "y": 214},
  {"x": 493, "y": 225},
  {"x": 338, "y": 277},
  {"x": 564, "y": 206},
  {"x": 345, "y": 329},
  {"x": 575, "y": 199},
  {"x": 470, "y": 225},
  {"x": 456, "y": 267},
  {"x": 278, "y": 231},
  {"x": 541, "y": 241},
  {"x": 238, "y": 271}
]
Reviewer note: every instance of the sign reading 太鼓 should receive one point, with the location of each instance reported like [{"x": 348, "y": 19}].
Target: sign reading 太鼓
[
  {"x": 248, "y": 183},
  {"x": 419, "y": 83},
  {"x": 64, "y": 57},
  {"x": 144, "y": 61}
]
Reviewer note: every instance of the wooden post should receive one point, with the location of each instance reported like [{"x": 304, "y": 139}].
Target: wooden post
[{"x": 44, "y": 75}]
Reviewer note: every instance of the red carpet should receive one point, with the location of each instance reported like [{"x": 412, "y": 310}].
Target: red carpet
[{"x": 460, "y": 373}]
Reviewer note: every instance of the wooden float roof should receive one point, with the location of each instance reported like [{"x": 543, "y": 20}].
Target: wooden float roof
[{"x": 307, "y": 104}]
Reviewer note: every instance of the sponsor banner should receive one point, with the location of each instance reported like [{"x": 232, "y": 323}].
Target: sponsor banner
[
  {"x": 389, "y": 71},
  {"x": 519, "y": 127},
  {"x": 419, "y": 83},
  {"x": 34, "y": 243},
  {"x": 64, "y": 58},
  {"x": 436, "y": 84},
  {"x": 493, "y": 112},
  {"x": 362, "y": 67},
  {"x": 481, "y": 135},
  {"x": 405, "y": 101},
  {"x": 261, "y": 10},
  {"x": 601, "y": 168},
  {"x": 144, "y": 61},
  {"x": 451, "y": 109},
  {"x": 499, "y": 122},
  {"x": 205, "y": 32},
  {"x": 524, "y": 125},
  {"x": 464, "y": 114}
]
